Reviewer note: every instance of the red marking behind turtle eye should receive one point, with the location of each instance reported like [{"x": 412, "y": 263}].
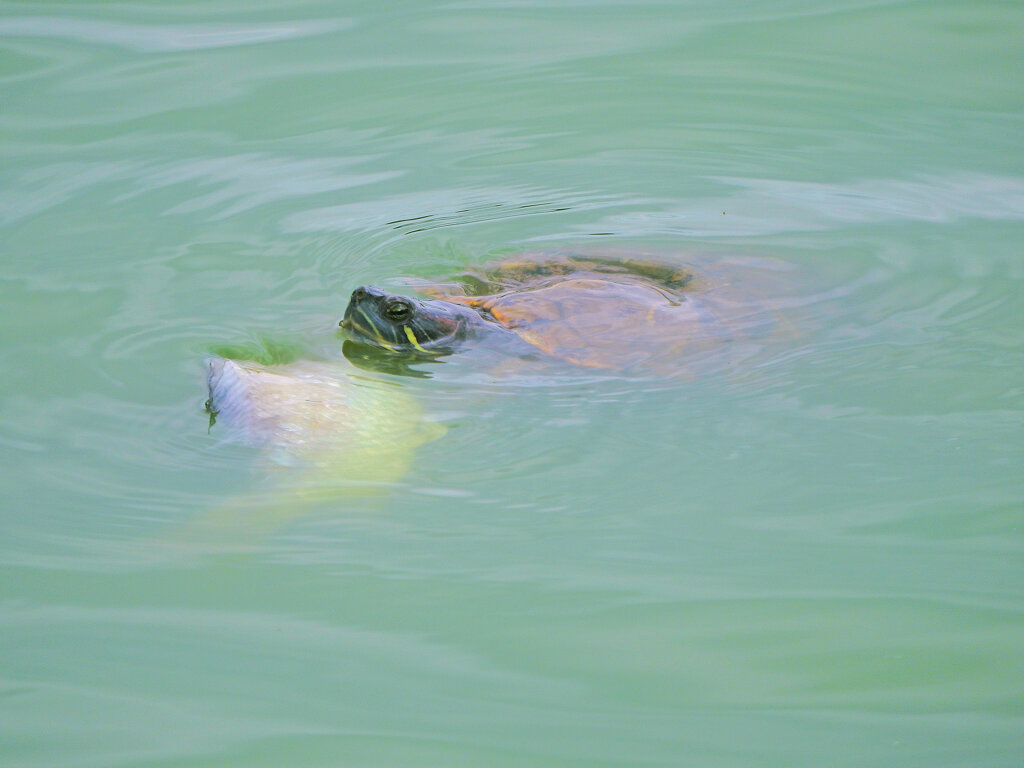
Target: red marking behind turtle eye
[{"x": 449, "y": 324}]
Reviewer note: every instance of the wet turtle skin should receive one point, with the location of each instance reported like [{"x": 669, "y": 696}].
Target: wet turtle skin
[{"x": 593, "y": 312}]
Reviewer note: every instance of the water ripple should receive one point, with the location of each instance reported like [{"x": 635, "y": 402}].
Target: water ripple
[
  {"x": 251, "y": 180},
  {"x": 162, "y": 38},
  {"x": 415, "y": 212},
  {"x": 240, "y": 182},
  {"x": 773, "y": 206}
]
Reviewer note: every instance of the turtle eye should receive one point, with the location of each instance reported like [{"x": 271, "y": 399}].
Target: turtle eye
[{"x": 398, "y": 310}]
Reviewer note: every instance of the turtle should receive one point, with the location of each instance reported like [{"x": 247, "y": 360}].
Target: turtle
[{"x": 595, "y": 312}]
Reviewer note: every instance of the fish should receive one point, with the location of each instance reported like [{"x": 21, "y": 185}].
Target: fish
[{"x": 331, "y": 431}]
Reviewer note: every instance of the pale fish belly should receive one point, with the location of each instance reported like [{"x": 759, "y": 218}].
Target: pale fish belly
[
  {"x": 308, "y": 408},
  {"x": 340, "y": 434}
]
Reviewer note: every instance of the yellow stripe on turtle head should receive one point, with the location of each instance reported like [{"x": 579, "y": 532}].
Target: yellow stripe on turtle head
[
  {"x": 376, "y": 331},
  {"x": 413, "y": 340}
]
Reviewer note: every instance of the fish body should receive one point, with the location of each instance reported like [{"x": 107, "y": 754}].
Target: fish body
[{"x": 339, "y": 433}]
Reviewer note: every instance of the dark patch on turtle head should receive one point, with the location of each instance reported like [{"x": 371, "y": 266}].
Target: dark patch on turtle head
[{"x": 404, "y": 324}]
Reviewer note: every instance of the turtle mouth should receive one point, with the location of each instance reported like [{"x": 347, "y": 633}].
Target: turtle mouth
[
  {"x": 359, "y": 332},
  {"x": 417, "y": 345}
]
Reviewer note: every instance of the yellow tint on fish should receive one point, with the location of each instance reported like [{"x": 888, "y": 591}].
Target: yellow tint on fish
[{"x": 330, "y": 433}]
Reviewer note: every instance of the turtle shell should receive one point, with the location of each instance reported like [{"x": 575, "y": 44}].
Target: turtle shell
[{"x": 600, "y": 313}]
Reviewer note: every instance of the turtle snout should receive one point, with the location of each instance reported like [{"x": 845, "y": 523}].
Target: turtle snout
[
  {"x": 358, "y": 297},
  {"x": 366, "y": 292},
  {"x": 364, "y": 300}
]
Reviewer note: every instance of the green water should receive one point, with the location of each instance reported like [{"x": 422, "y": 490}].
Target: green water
[{"x": 811, "y": 555}]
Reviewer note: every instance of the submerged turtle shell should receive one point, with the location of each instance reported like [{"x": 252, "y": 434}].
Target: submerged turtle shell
[{"x": 595, "y": 312}]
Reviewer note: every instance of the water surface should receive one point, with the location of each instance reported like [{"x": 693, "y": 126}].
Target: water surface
[{"x": 807, "y": 556}]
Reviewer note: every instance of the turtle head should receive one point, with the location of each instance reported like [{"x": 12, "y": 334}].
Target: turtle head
[{"x": 405, "y": 324}]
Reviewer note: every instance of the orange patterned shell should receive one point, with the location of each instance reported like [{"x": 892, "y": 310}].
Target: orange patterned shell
[{"x": 600, "y": 313}]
